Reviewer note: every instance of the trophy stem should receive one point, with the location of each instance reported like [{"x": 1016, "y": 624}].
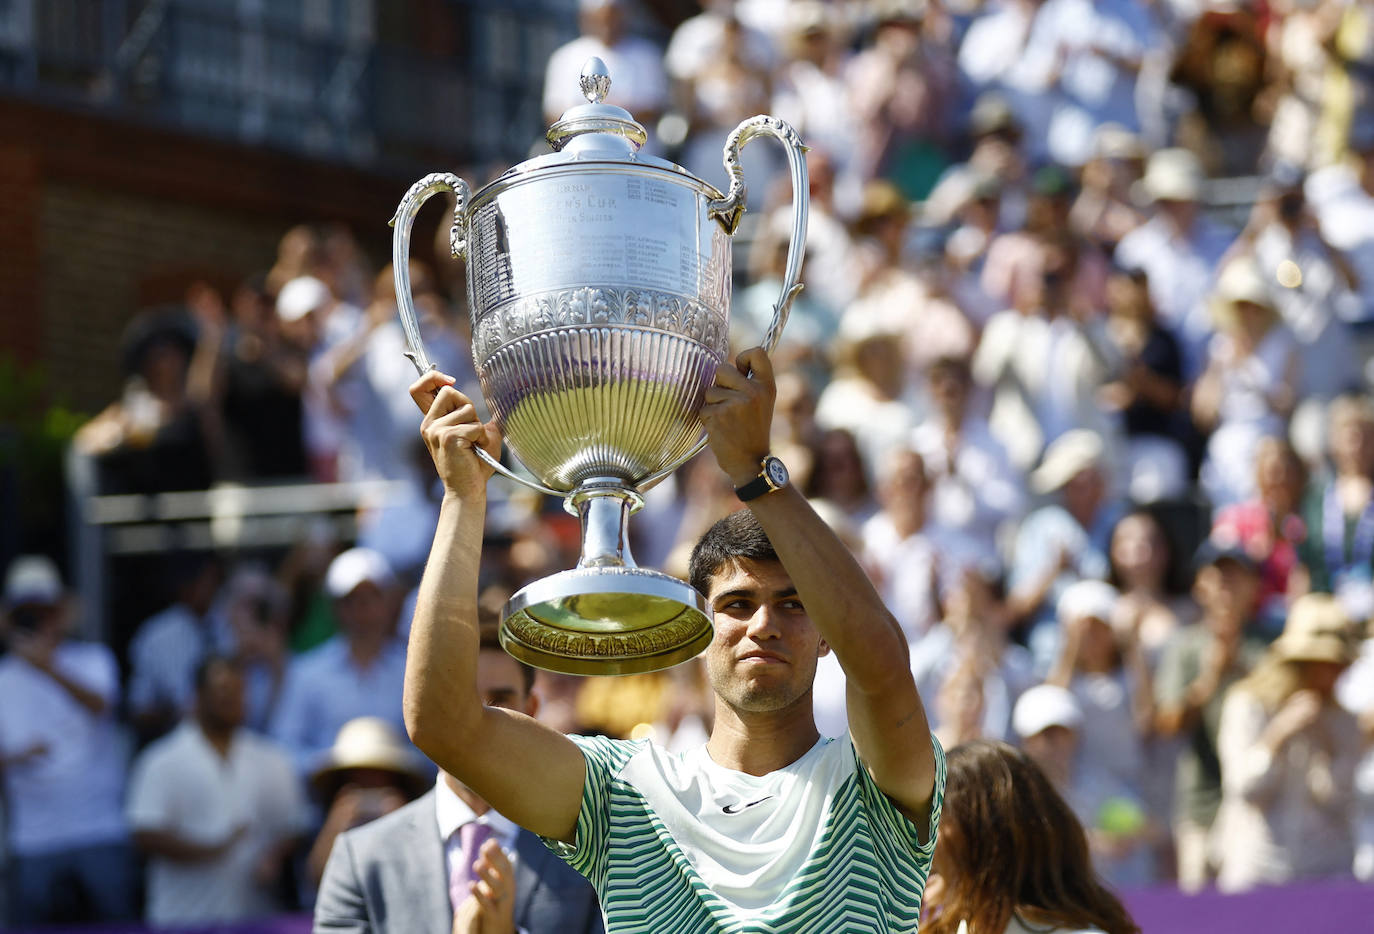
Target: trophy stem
[{"x": 605, "y": 505}]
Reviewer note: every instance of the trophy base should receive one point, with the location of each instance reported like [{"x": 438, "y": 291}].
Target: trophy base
[{"x": 606, "y": 621}]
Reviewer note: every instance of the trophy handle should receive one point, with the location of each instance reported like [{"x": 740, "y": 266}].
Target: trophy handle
[
  {"x": 402, "y": 221},
  {"x": 730, "y": 209}
]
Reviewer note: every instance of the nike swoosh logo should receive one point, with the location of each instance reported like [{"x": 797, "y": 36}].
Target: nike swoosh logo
[{"x": 736, "y": 808}]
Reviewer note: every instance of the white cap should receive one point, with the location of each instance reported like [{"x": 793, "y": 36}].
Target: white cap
[
  {"x": 1069, "y": 454},
  {"x": 1044, "y": 706},
  {"x": 357, "y": 566},
  {"x": 32, "y": 579},
  {"x": 301, "y": 296},
  {"x": 1172, "y": 175},
  {"x": 1087, "y": 599}
]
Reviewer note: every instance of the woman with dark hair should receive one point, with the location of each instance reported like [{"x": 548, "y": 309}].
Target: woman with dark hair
[{"x": 1012, "y": 857}]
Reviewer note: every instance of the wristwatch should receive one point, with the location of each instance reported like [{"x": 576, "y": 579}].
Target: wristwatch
[{"x": 772, "y": 476}]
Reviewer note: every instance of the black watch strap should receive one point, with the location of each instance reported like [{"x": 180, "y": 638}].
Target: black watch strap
[{"x": 772, "y": 476}]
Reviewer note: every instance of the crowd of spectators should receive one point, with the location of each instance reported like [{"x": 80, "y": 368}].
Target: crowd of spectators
[{"x": 1101, "y": 430}]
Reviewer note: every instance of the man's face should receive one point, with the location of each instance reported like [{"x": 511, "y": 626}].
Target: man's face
[
  {"x": 501, "y": 683},
  {"x": 367, "y": 613},
  {"x": 763, "y": 656},
  {"x": 1227, "y": 591},
  {"x": 221, "y": 699}
]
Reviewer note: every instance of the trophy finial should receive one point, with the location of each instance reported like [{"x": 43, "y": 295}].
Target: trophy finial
[{"x": 595, "y": 80}]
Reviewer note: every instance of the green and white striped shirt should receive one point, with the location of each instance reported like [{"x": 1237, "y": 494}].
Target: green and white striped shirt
[{"x": 676, "y": 844}]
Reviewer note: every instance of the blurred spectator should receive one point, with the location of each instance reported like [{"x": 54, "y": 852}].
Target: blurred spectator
[
  {"x": 840, "y": 476},
  {"x": 1038, "y": 363},
  {"x": 1179, "y": 248},
  {"x": 357, "y": 673},
  {"x": 1049, "y": 721},
  {"x": 1271, "y": 529},
  {"x": 1342, "y": 199},
  {"x": 638, "y": 81},
  {"x": 811, "y": 325},
  {"x": 261, "y": 383},
  {"x": 1339, "y": 513},
  {"x": 369, "y": 772},
  {"x": 1355, "y": 691},
  {"x": 975, "y": 491},
  {"x": 1250, "y": 384},
  {"x": 255, "y": 608},
  {"x": 1150, "y": 611},
  {"x": 1065, "y": 540},
  {"x": 810, "y": 91},
  {"x": 1288, "y": 756},
  {"x": 1105, "y": 209},
  {"x": 901, "y": 89},
  {"x": 1108, "y": 677},
  {"x": 1003, "y": 811},
  {"x": 970, "y": 647},
  {"x": 1300, "y": 37},
  {"x": 60, "y": 760},
  {"x": 170, "y": 644},
  {"x": 411, "y": 871},
  {"x": 161, "y": 434},
  {"x": 1195, "y": 670},
  {"x": 217, "y": 809},
  {"x": 1317, "y": 285},
  {"x": 1087, "y": 55},
  {"x": 1145, "y": 387},
  {"x": 306, "y": 312}
]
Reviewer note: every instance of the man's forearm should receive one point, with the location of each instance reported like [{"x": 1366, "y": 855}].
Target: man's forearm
[{"x": 441, "y": 661}]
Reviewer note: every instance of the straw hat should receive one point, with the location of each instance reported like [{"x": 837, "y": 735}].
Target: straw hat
[
  {"x": 1318, "y": 630},
  {"x": 370, "y": 743},
  {"x": 1240, "y": 281},
  {"x": 1069, "y": 454}
]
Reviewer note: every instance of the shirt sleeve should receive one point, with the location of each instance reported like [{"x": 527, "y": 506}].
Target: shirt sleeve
[
  {"x": 149, "y": 806},
  {"x": 894, "y": 832},
  {"x": 588, "y": 851}
]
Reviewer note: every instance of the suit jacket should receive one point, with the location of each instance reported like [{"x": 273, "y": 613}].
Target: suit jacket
[{"x": 389, "y": 877}]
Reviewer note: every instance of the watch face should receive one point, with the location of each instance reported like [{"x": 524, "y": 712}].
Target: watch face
[{"x": 777, "y": 472}]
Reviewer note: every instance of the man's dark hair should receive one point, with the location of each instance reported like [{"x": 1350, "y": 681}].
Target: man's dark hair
[
  {"x": 209, "y": 663},
  {"x": 489, "y": 637},
  {"x": 737, "y": 536}
]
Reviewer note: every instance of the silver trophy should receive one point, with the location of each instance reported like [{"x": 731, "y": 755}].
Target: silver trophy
[{"x": 599, "y": 285}]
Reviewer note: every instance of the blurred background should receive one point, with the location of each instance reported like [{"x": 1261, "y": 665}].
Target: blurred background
[{"x": 1089, "y": 301}]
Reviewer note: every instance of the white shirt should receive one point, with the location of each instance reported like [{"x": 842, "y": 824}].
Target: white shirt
[
  {"x": 980, "y": 489},
  {"x": 453, "y": 813},
  {"x": 181, "y": 785},
  {"x": 70, "y": 796},
  {"x": 324, "y": 689}
]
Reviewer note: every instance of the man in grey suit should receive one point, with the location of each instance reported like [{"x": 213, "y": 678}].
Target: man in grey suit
[{"x": 424, "y": 869}]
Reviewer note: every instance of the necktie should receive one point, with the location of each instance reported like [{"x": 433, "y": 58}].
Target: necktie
[{"x": 472, "y": 835}]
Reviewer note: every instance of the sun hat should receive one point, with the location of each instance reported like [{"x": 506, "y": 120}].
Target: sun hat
[
  {"x": 1239, "y": 281},
  {"x": 1068, "y": 455},
  {"x": 1318, "y": 629},
  {"x": 357, "y": 566},
  {"x": 369, "y": 743},
  {"x": 1044, "y": 706}
]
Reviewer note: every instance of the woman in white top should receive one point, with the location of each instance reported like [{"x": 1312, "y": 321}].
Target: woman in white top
[
  {"x": 1288, "y": 756},
  {"x": 1012, "y": 858}
]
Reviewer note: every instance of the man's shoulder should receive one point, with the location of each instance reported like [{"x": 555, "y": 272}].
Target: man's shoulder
[{"x": 171, "y": 751}]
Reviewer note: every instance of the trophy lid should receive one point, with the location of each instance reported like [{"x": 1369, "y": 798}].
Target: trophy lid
[{"x": 596, "y": 125}]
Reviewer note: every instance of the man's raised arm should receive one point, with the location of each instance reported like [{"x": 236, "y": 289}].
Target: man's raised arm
[
  {"x": 527, "y": 771},
  {"x": 887, "y": 721}
]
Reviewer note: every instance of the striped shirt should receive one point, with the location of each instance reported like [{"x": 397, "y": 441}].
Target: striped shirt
[{"x": 676, "y": 844}]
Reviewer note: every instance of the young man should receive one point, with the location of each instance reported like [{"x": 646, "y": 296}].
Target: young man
[
  {"x": 768, "y": 827},
  {"x": 416, "y": 868}
]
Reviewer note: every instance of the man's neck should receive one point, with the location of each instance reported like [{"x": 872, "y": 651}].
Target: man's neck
[
  {"x": 363, "y": 652},
  {"x": 467, "y": 795},
  {"x": 219, "y": 738},
  {"x": 759, "y": 743}
]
